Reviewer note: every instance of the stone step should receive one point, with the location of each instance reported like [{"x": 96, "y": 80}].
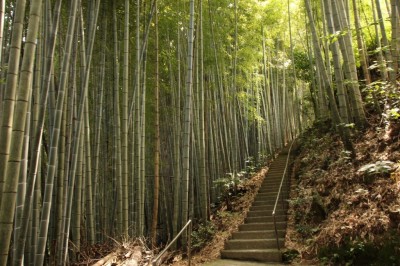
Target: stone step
[
  {"x": 269, "y": 189},
  {"x": 262, "y": 226},
  {"x": 256, "y": 238},
  {"x": 265, "y": 219},
  {"x": 263, "y": 202},
  {"x": 270, "y": 193},
  {"x": 279, "y": 164},
  {"x": 262, "y": 197},
  {"x": 270, "y": 255},
  {"x": 269, "y": 200},
  {"x": 262, "y": 234},
  {"x": 281, "y": 198},
  {"x": 268, "y": 210},
  {"x": 272, "y": 188},
  {"x": 266, "y": 207},
  {"x": 273, "y": 177},
  {"x": 272, "y": 184},
  {"x": 277, "y": 168},
  {"x": 253, "y": 243},
  {"x": 258, "y": 213}
]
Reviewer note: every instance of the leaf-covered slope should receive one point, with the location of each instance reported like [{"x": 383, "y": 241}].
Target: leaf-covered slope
[{"x": 343, "y": 210}]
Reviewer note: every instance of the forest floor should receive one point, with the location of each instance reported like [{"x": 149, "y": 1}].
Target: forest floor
[{"x": 343, "y": 210}]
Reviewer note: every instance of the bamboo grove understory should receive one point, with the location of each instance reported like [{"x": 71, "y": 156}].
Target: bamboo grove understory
[{"x": 123, "y": 119}]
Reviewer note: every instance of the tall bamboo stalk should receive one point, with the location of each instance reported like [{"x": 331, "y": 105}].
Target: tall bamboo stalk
[{"x": 8, "y": 200}]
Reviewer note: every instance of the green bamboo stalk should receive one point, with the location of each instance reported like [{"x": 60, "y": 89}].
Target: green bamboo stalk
[
  {"x": 8, "y": 199},
  {"x": 9, "y": 99},
  {"x": 2, "y": 12},
  {"x": 157, "y": 141},
  {"x": 47, "y": 200},
  {"x": 117, "y": 126},
  {"x": 77, "y": 133},
  {"x": 187, "y": 121},
  {"x": 125, "y": 125}
]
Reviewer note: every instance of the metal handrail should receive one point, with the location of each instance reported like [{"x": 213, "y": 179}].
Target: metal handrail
[
  {"x": 155, "y": 261},
  {"x": 279, "y": 193}
]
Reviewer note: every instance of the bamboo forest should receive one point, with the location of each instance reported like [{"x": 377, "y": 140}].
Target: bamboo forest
[{"x": 123, "y": 120}]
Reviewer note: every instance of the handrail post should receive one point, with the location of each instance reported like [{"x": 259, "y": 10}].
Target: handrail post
[
  {"x": 190, "y": 243},
  {"x": 276, "y": 231},
  {"x": 189, "y": 223}
]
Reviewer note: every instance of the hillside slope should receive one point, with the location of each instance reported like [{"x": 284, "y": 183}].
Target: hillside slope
[{"x": 344, "y": 211}]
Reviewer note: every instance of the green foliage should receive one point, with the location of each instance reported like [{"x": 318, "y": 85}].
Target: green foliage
[
  {"x": 290, "y": 255},
  {"x": 386, "y": 252},
  {"x": 303, "y": 66},
  {"x": 394, "y": 113},
  {"x": 231, "y": 181},
  {"x": 251, "y": 166},
  {"x": 202, "y": 235},
  {"x": 379, "y": 167},
  {"x": 304, "y": 230},
  {"x": 231, "y": 184},
  {"x": 344, "y": 157}
]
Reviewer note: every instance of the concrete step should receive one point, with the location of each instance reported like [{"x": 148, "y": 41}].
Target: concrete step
[
  {"x": 265, "y": 255},
  {"x": 269, "y": 193},
  {"x": 225, "y": 262},
  {"x": 269, "y": 189},
  {"x": 272, "y": 188},
  {"x": 272, "y": 180},
  {"x": 272, "y": 191},
  {"x": 265, "y": 219},
  {"x": 284, "y": 191},
  {"x": 282, "y": 198},
  {"x": 261, "y": 234},
  {"x": 259, "y": 213},
  {"x": 262, "y": 226},
  {"x": 280, "y": 164},
  {"x": 268, "y": 209},
  {"x": 263, "y": 202},
  {"x": 277, "y": 169},
  {"x": 256, "y": 238},
  {"x": 262, "y": 197},
  {"x": 272, "y": 183},
  {"x": 240, "y": 244}
]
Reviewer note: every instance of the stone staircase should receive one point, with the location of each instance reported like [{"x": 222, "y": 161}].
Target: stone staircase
[{"x": 256, "y": 238}]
